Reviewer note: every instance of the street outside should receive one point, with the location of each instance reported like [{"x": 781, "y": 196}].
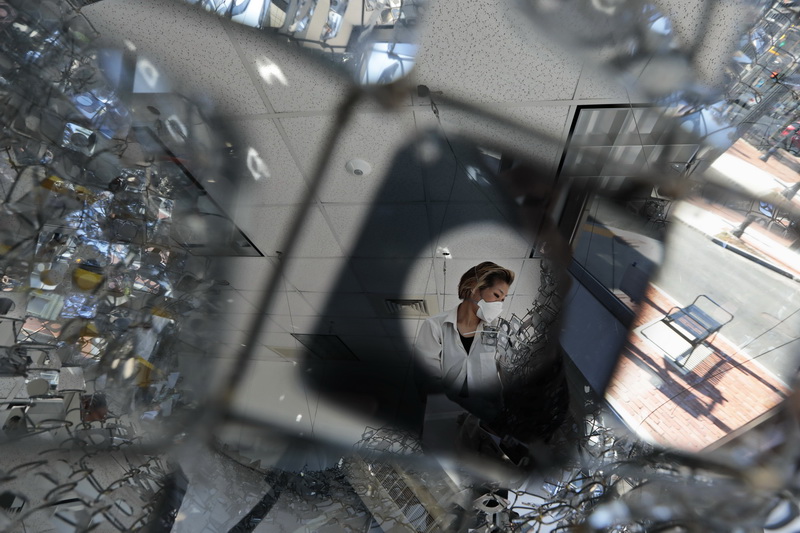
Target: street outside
[
  {"x": 765, "y": 304},
  {"x": 756, "y": 278}
]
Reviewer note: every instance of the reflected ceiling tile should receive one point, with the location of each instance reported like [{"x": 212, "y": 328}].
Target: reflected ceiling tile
[
  {"x": 267, "y": 227},
  {"x": 707, "y": 35},
  {"x": 197, "y": 52},
  {"x": 225, "y": 322},
  {"x": 341, "y": 304},
  {"x": 476, "y": 231},
  {"x": 404, "y": 328},
  {"x": 545, "y": 149},
  {"x": 277, "y": 338},
  {"x": 321, "y": 275},
  {"x": 285, "y": 302},
  {"x": 296, "y": 324},
  {"x": 381, "y": 350},
  {"x": 274, "y": 391},
  {"x": 373, "y": 137},
  {"x": 294, "y": 80},
  {"x": 231, "y": 302},
  {"x": 329, "y": 325},
  {"x": 376, "y": 275},
  {"x": 262, "y": 353},
  {"x": 518, "y": 305},
  {"x": 598, "y": 85},
  {"x": 399, "y": 231},
  {"x": 284, "y": 184},
  {"x": 247, "y": 273},
  {"x": 505, "y": 69}
]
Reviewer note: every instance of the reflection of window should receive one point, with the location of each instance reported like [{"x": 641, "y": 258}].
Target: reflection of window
[
  {"x": 386, "y": 62},
  {"x": 617, "y": 246},
  {"x": 620, "y": 249}
]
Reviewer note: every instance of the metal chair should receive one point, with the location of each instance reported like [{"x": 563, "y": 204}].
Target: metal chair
[{"x": 696, "y": 322}]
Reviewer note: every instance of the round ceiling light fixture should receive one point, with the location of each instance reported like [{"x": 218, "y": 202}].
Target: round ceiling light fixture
[{"x": 358, "y": 167}]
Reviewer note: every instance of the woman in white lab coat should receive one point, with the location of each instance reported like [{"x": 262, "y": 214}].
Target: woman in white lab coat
[{"x": 450, "y": 347}]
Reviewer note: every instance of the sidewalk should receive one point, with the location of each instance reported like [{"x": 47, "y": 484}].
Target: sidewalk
[
  {"x": 742, "y": 167},
  {"x": 757, "y": 243},
  {"x": 687, "y": 408},
  {"x": 722, "y": 391}
]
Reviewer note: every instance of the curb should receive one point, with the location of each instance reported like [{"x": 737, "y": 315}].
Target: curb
[{"x": 754, "y": 258}]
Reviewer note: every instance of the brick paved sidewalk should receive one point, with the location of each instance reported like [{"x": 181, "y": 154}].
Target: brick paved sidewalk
[{"x": 688, "y": 409}]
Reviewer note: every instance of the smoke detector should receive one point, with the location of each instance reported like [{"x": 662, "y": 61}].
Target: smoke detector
[{"x": 358, "y": 167}]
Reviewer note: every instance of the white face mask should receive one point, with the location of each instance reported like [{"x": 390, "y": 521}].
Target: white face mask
[{"x": 489, "y": 311}]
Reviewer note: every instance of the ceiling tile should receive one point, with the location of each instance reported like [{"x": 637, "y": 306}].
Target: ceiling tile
[
  {"x": 341, "y": 304},
  {"x": 221, "y": 322},
  {"x": 448, "y": 178},
  {"x": 595, "y": 84},
  {"x": 294, "y": 79},
  {"x": 247, "y": 273},
  {"x": 267, "y": 228},
  {"x": 495, "y": 58},
  {"x": 275, "y": 391},
  {"x": 708, "y": 32},
  {"x": 382, "y": 350},
  {"x": 543, "y": 147},
  {"x": 321, "y": 275},
  {"x": 528, "y": 279},
  {"x": 276, "y": 338},
  {"x": 372, "y": 137},
  {"x": 229, "y": 301},
  {"x": 518, "y": 305},
  {"x": 285, "y": 302},
  {"x": 262, "y": 353},
  {"x": 390, "y": 230},
  {"x": 376, "y": 275},
  {"x": 329, "y": 325},
  {"x": 476, "y": 231},
  {"x": 191, "y": 46},
  {"x": 285, "y": 184},
  {"x": 403, "y": 328}
]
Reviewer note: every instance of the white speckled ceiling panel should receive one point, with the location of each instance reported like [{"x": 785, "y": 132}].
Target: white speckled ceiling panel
[
  {"x": 187, "y": 44},
  {"x": 373, "y": 137},
  {"x": 268, "y": 226},
  {"x": 488, "y": 51},
  {"x": 392, "y": 230},
  {"x": 709, "y": 31},
  {"x": 477, "y": 230},
  {"x": 285, "y": 184},
  {"x": 292, "y": 80},
  {"x": 549, "y": 121}
]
